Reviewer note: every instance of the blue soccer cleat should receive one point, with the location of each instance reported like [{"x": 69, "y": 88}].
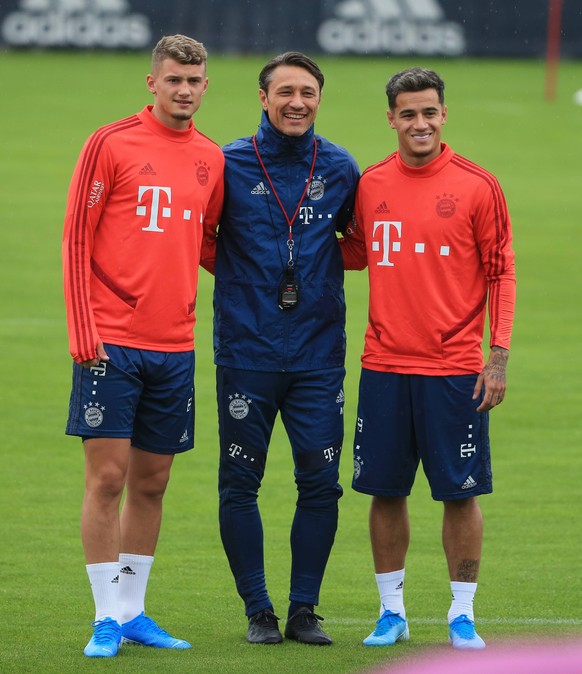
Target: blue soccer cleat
[
  {"x": 390, "y": 628},
  {"x": 462, "y": 634},
  {"x": 145, "y": 631},
  {"x": 106, "y": 639}
]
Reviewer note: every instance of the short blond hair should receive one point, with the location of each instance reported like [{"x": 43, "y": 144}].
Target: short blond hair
[{"x": 180, "y": 48}]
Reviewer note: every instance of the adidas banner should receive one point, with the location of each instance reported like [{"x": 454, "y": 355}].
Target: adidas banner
[{"x": 367, "y": 27}]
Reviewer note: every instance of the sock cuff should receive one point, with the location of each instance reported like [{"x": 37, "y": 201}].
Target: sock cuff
[
  {"x": 459, "y": 586},
  {"x": 104, "y": 567},
  {"x": 391, "y": 575},
  {"x": 129, "y": 558}
]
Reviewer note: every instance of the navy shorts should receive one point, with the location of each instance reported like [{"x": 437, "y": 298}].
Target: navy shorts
[
  {"x": 147, "y": 396},
  {"x": 311, "y": 405},
  {"x": 405, "y": 419}
]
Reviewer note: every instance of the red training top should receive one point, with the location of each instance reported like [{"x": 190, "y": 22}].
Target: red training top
[
  {"x": 437, "y": 243},
  {"x": 141, "y": 198}
]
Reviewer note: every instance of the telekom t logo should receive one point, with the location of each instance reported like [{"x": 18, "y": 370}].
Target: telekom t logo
[
  {"x": 385, "y": 242},
  {"x": 155, "y": 212},
  {"x": 306, "y": 214},
  {"x": 234, "y": 449},
  {"x": 159, "y": 196}
]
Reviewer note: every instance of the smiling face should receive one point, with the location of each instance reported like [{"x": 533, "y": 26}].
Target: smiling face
[
  {"x": 291, "y": 100},
  {"x": 418, "y": 119},
  {"x": 178, "y": 89}
]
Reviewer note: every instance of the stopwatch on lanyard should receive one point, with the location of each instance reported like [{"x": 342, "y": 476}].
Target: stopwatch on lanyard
[{"x": 288, "y": 295}]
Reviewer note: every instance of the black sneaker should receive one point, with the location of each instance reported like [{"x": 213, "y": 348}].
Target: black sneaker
[
  {"x": 264, "y": 628},
  {"x": 303, "y": 626}
]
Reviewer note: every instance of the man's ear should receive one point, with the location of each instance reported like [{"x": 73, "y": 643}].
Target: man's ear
[{"x": 263, "y": 99}]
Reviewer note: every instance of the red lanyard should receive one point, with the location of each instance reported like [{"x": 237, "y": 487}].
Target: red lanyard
[{"x": 290, "y": 221}]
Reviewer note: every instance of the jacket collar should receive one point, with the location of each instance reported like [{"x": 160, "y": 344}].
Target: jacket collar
[{"x": 273, "y": 142}]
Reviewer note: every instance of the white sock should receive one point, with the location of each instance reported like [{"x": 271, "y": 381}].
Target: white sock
[
  {"x": 105, "y": 588},
  {"x": 134, "y": 573},
  {"x": 463, "y": 596},
  {"x": 391, "y": 590}
]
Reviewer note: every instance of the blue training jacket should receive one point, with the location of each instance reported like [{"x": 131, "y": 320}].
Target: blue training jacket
[{"x": 250, "y": 330}]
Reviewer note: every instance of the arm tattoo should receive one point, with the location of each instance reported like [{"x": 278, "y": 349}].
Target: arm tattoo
[{"x": 496, "y": 368}]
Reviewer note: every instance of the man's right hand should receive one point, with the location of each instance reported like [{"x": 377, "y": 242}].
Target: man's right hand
[{"x": 101, "y": 356}]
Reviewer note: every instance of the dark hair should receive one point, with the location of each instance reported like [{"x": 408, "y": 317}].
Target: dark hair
[
  {"x": 414, "y": 79},
  {"x": 180, "y": 48},
  {"x": 289, "y": 58}
]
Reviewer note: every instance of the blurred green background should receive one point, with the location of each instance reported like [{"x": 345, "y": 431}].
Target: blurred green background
[{"x": 530, "y": 583}]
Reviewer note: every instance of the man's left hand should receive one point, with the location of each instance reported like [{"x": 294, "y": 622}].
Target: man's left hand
[{"x": 494, "y": 378}]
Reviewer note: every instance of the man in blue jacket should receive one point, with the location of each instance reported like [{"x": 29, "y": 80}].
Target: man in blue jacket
[{"x": 279, "y": 337}]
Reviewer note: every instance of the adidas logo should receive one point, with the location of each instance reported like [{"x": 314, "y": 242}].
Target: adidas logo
[
  {"x": 128, "y": 570},
  {"x": 382, "y": 208},
  {"x": 341, "y": 397},
  {"x": 147, "y": 170},
  {"x": 469, "y": 483},
  {"x": 381, "y": 23},
  {"x": 184, "y": 437},
  {"x": 389, "y": 10},
  {"x": 260, "y": 189},
  {"x": 58, "y": 16},
  {"x": 115, "y": 580},
  {"x": 400, "y": 585}
]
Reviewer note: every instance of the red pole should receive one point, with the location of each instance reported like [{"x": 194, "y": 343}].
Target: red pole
[{"x": 553, "y": 47}]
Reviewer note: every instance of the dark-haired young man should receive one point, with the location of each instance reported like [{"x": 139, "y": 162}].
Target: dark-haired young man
[
  {"x": 436, "y": 238},
  {"x": 143, "y": 192},
  {"x": 280, "y": 337}
]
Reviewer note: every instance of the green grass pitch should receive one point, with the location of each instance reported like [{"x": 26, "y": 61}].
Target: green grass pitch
[{"x": 530, "y": 583}]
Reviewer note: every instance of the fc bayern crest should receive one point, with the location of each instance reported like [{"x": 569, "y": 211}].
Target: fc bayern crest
[
  {"x": 358, "y": 463},
  {"x": 202, "y": 173},
  {"x": 446, "y": 205},
  {"x": 316, "y": 188},
  {"x": 239, "y": 406},
  {"x": 93, "y": 417}
]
